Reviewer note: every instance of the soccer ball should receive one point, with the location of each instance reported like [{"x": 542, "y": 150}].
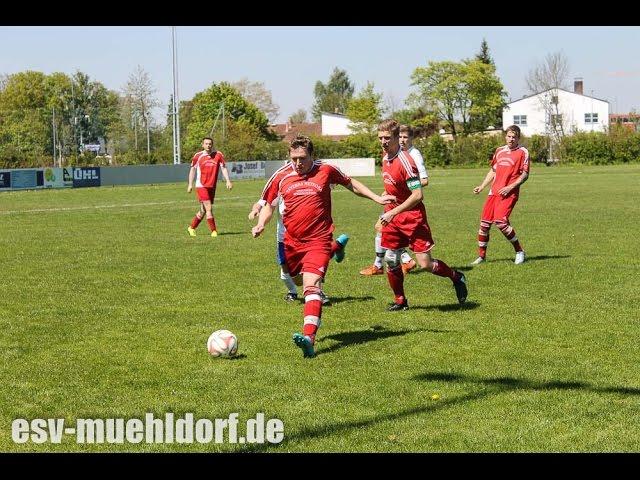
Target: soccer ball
[{"x": 222, "y": 343}]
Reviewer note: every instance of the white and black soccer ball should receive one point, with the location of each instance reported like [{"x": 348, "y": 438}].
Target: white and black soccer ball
[{"x": 222, "y": 343}]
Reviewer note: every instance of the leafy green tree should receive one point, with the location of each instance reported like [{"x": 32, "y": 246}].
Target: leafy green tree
[
  {"x": 365, "y": 110},
  {"x": 334, "y": 96},
  {"x": 299, "y": 116},
  {"x": 467, "y": 93},
  {"x": 206, "y": 112}
]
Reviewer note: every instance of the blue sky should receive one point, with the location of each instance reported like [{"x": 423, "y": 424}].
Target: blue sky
[{"x": 289, "y": 60}]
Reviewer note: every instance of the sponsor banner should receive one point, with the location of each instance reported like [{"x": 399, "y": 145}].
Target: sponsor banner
[
  {"x": 24, "y": 179},
  {"x": 55, "y": 177},
  {"x": 86, "y": 177},
  {"x": 243, "y": 170},
  {"x": 5, "y": 180}
]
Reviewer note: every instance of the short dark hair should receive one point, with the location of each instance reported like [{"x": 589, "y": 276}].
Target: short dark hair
[
  {"x": 207, "y": 138},
  {"x": 513, "y": 128},
  {"x": 407, "y": 129},
  {"x": 389, "y": 125},
  {"x": 302, "y": 141}
]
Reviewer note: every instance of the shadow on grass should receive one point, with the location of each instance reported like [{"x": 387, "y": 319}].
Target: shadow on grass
[
  {"x": 335, "y": 300},
  {"x": 490, "y": 387},
  {"x": 233, "y": 233},
  {"x": 372, "y": 334},
  {"x": 535, "y": 258},
  {"x": 449, "y": 307}
]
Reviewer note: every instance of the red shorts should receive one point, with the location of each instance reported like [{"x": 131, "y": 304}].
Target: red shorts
[
  {"x": 498, "y": 208},
  {"x": 206, "y": 193},
  {"x": 408, "y": 229},
  {"x": 310, "y": 257}
]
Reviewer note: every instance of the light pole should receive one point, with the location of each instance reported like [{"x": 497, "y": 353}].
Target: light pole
[{"x": 176, "y": 100}]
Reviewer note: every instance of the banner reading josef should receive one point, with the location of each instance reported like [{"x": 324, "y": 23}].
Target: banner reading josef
[
  {"x": 86, "y": 177},
  {"x": 242, "y": 170}
]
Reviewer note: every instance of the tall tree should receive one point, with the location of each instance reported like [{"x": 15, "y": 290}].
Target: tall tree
[
  {"x": 365, "y": 110},
  {"x": 259, "y": 95},
  {"x": 139, "y": 94},
  {"x": 487, "y": 96},
  {"x": 334, "y": 96},
  {"x": 483, "y": 55},
  {"x": 545, "y": 78},
  {"x": 299, "y": 116}
]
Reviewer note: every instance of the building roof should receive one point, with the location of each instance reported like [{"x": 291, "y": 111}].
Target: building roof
[
  {"x": 556, "y": 88},
  {"x": 288, "y": 131}
]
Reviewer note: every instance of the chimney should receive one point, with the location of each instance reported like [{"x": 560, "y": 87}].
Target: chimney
[{"x": 577, "y": 85}]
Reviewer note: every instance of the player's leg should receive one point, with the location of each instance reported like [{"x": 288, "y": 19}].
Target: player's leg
[
  {"x": 312, "y": 263},
  {"x": 408, "y": 263},
  {"x": 210, "y": 220},
  {"x": 486, "y": 219},
  {"x": 502, "y": 213},
  {"x": 422, "y": 243},
  {"x": 292, "y": 294},
  {"x": 191, "y": 229},
  {"x": 393, "y": 241},
  {"x": 337, "y": 247},
  {"x": 376, "y": 268}
]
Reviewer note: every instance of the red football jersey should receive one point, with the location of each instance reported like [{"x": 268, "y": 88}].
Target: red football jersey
[
  {"x": 207, "y": 168},
  {"x": 395, "y": 173},
  {"x": 508, "y": 165},
  {"x": 306, "y": 198}
]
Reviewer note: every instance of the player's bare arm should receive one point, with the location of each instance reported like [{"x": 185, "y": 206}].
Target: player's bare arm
[
  {"x": 362, "y": 190},
  {"x": 413, "y": 199},
  {"x": 265, "y": 215},
  {"x": 487, "y": 180},
  {"x": 255, "y": 210},
  {"x": 225, "y": 175},
  {"x": 192, "y": 175}
]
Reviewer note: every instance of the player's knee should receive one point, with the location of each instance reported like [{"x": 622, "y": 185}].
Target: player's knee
[
  {"x": 312, "y": 292},
  {"x": 392, "y": 258}
]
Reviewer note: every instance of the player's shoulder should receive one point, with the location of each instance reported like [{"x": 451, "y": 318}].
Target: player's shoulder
[{"x": 524, "y": 150}]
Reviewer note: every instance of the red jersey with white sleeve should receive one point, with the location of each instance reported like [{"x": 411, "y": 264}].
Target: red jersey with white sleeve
[
  {"x": 307, "y": 200},
  {"x": 508, "y": 165},
  {"x": 207, "y": 167},
  {"x": 399, "y": 172}
]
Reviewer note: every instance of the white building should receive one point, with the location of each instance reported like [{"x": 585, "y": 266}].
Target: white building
[
  {"x": 335, "y": 124},
  {"x": 536, "y": 114}
]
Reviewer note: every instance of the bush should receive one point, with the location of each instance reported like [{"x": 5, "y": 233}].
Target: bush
[{"x": 434, "y": 150}]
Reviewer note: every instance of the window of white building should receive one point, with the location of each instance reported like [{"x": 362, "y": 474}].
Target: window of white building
[
  {"x": 520, "y": 120},
  {"x": 590, "y": 118}
]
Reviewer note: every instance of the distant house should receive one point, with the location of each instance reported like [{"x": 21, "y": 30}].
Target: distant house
[
  {"x": 537, "y": 114},
  {"x": 332, "y": 125},
  {"x": 627, "y": 120},
  {"x": 288, "y": 131}
]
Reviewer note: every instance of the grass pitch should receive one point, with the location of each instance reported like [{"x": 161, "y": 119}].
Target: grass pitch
[{"x": 106, "y": 305}]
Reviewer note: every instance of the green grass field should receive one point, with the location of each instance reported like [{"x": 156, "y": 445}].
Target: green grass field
[{"x": 106, "y": 305}]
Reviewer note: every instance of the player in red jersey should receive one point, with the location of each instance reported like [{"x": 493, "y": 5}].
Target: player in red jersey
[
  {"x": 509, "y": 170},
  {"x": 204, "y": 169},
  {"x": 404, "y": 223},
  {"x": 304, "y": 186}
]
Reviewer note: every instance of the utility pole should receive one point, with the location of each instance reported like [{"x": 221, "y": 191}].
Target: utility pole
[
  {"x": 146, "y": 121},
  {"x": 53, "y": 131},
  {"x": 176, "y": 100}
]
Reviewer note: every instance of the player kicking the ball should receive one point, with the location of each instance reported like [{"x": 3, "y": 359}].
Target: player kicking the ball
[{"x": 304, "y": 186}]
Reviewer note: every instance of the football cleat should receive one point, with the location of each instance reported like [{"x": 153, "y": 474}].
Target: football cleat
[
  {"x": 371, "y": 270},
  {"x": 192, "y": 231},
  {"x": 291, "y": 297},
  {"x": 520, "y": 256},
  {"x": 478, "y": 261},
  {"x": 304, "y": 342},
  {"x": 325, "y": 299},
  {"x": 214, "y": 234},
  {"x": 407, "y": 267},
  {"x": 398, "y": 307},
  {"x": 461, "y": 288},
  {"x": 342, "y": 240}
]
